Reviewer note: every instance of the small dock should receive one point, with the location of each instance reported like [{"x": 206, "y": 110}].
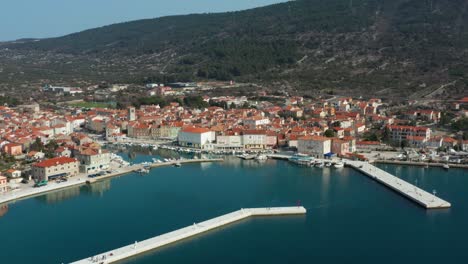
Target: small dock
[
  {"x": 186, "y": 232},
  {"x": 421, "y": 197}
]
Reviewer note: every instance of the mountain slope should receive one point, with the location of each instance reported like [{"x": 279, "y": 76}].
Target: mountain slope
[{"x": 378, "y": 46}]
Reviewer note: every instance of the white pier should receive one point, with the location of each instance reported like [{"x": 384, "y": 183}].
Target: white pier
[
  {"x": 423, "y": 198},
  {"x": 186, "y": 232}
]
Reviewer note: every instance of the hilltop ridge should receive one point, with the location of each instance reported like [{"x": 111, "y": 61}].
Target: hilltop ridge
[{"x": 385, "y": 47}]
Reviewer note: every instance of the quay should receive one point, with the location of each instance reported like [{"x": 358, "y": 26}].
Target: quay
[
  {"x": 421, "y": 197},
  {"x": 186, "y": 232},
  {"x": 421, "y": 164},
  {"x": 82, "y": 179}
]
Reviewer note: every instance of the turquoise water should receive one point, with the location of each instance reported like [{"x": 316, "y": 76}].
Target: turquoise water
[{"x": 350, "y": 219}]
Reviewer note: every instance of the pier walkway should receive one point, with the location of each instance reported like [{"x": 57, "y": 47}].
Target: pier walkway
[
  {"x": 421, "y": 197},
  {"x": 186, "y": 232}
]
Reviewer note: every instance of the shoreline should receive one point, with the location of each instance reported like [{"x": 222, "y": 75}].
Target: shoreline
[{"x": 81, "y": 179}]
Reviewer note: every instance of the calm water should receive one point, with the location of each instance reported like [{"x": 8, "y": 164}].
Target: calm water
[{"x": 350, "y": 218}]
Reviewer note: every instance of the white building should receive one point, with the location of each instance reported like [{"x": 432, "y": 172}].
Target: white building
[
  {"x": 55, "y": 168},
  {"x": 229, "y": 142},
  {"x": 93, "y": 161},
  {"x": 256, "y": 121},
  {"x": 195, "y": 137},
  {"x": 398, "y": 133},
  {"x": 315, "y": 146},
  {"x": 255, "y": 139}
]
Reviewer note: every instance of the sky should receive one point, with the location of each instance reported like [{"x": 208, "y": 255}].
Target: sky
[{"x": 53, "y": 18}]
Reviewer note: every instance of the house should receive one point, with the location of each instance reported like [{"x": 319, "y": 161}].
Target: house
[
  {"x": 112, "y": 130},
  {"x": 399, "y": 133},
  {"x": 81, "y": 139},
  {"x": 254, "y": 139},
  {"x": 368, "y": 145},
  {"x": 449, "y": 142},
  {"x": 255, "y": 121},
  {"x": 229, "y": 142},
  {"x": 14, "y": 175},
  {"x": 416, "y": 141},
  {"x": 316, "y": 146},
  {"x": 13, "y": 149},
  {"x": 340, "y": 147},
  {"x": 434, "y": 142},
  {"x": 93, "y": 161},
  {"x": 62, "y": 152},
  {"x": 55, "y": 168},
  {"x": 339, "y": 132},
  {"x": 35, "y": 155},
  {"x": 170, "y": 131},
  {"x": 195, "y": 137},
  {"x": 292, "y": 141},
  {"x": 3, "y": 184},
  {"x": 138, "y": 130}
]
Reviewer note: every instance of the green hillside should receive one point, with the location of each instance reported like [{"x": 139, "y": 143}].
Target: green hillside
[{"x": 380, "y": 46}]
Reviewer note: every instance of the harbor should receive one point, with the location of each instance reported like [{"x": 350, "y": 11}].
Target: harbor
[
  {"x": 421, "y": 197},
  {"x": 197, "y": 228},
  {"x": 139, "y": 207},
  {"x": 82, "y": 179}
]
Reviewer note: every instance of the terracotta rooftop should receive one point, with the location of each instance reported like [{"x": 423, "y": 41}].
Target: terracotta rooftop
[{"x": 54, "y": 162}]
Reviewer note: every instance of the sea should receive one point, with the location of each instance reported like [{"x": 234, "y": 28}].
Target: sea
[{"x": 350, "y": 218}]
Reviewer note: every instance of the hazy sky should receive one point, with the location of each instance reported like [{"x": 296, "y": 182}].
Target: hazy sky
[{"x": 50, "y": 18}]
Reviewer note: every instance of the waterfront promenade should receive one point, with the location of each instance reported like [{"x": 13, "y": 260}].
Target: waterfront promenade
[
  {"x": 28, "y": 191},
  {"x": 421, "y": 197},
  {"x": 197, "y": 228},
  {"x": 421, "y": 164}
]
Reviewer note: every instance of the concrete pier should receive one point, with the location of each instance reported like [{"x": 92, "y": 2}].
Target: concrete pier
[
  {"x": 186, "y": 232},
  {"x": 421, "y": 197}
]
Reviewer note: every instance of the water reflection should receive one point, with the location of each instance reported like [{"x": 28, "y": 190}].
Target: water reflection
[
  {"x": 3, "y": 210},
  {"x": 97, "y": 188},
  {"x": 58, "y": 196}
]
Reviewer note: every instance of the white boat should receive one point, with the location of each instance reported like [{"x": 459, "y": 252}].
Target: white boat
[
  {"x": 338, "y": 165},
  {"x": 319, "y": 165},
  {"x": 328, "y": 164},
  {"x": 446, "y": 166},
  {"x": 261, "y": 157}
]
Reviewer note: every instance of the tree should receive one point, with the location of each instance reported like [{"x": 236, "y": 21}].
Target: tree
[
  {"x": 370, "y": 136},
  {"x": 386, "y": 134},
  {"x": 37, "y": 145},
  {"x": 329, "y": 133},
  {"x": 404, "y": 144}
]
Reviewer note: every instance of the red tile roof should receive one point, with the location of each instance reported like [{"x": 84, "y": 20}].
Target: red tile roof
[
  {"x": 54, "y": 162},
  {"x": 195, "y": 130}
]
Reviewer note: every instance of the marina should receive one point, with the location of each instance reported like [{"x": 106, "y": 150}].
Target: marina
[
  {"x": 197, "y": 228},
  {"x": 83, "y": 179}
]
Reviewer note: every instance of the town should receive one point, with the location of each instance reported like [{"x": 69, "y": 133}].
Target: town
[{"x": 43, "y": 144}]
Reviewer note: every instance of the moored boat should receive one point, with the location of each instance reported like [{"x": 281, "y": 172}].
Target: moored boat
[{"x": 338, "y": 165}]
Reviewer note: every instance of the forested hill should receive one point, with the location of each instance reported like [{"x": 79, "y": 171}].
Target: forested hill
[{"x": 418, "y": 47}]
